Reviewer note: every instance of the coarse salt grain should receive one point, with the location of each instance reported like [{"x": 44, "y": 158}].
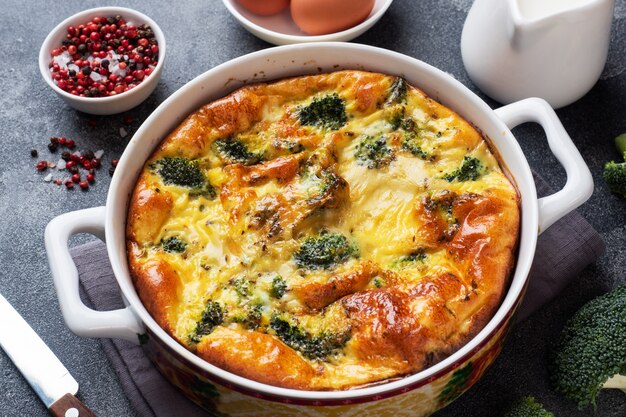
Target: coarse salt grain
[
  {"x": 61, "y": 164},
  {"x": 62, "y": 59},
  {"x": 95, "y": 76},
  {"x": 98, "y": 154},
  {"x": 48, "y": 178},
  {"x": 123, "y": 132},
  {"x": 117, "y": 71}
]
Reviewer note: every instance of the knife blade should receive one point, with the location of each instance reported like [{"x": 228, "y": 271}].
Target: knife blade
[{"x": 42, "y": 369}]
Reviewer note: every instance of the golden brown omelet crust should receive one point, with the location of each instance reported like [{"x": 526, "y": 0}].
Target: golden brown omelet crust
[{"x": 399, "y": 328}]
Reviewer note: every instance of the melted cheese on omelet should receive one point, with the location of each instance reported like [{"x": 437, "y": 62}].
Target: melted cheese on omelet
[{"x": 402, "y": 216}]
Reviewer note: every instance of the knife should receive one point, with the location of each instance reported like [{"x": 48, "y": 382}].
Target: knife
[{"x": 42, "y": 369}]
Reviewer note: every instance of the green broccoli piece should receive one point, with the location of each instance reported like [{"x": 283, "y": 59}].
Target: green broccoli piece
[
  {"x": 470, "y": 170},
  {"x": 527, "y": 407},
  {"x": 174, "y": 245},
  {"x": 180, "y": 171},
  {"x": 252, "y": 319},
  {"x": 317, "y": 183},
  {"x": 241, "y": 286},
  {"x": 212, "y": 316},
  {"x": 591, "y": 352},
  {"x": 400, "y": 121},
  {"x": 234, "y": 151},
  {"x": 615, "y": 172},
  {"x": 278, "y": 287},
  {"x": 398, "y": 91},
  {"x": 411, "y": 144},
  {"x": 412, "y": 140},
  {"x": 397, "y": 121},
  {"x": 325, "y": 251},
  {"x": 311, "y": 346},
  {"x": 408, "y": 260},
  {"x": 183, "y": 173},
  {"x": 327, "y": 112},
  {"x": 374, "y": 152}
]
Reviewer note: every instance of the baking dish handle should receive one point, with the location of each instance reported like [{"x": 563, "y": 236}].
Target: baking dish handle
[
  {"x": 82, "y": 320},
  {"x": 579, "y": 185}
]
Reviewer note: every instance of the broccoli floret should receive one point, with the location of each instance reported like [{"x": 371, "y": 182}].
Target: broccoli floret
[
  {"x": 241, "y": 286},
  {"x": 183, "y": 173},
  {"x": 327, "y": 112},
  {"x": 400, "y": 121},
  {"x": 615, "y": 176},
  {"x": 411, "y": 144},
  {"x": 252, "y": 319},
  {"x": 374, "y": 152},
  {"x": 591, "y": 352},
  {"x": 173, "y": 244},
  {"x": 397, "y": 91},
  {"x": 408, "y": 260},
  {"x": 317, "y": 182},
  {"x": 180, "y": 171},
  {"x": 212, "y": 316},
  {"x": 311, "y": 346},
  {"x": 325, "y": 251},
  {"x": 527, "y": 407},
  {"x": 278, "y": 287},
  {"x": 233, "y": 151},
  {"x": 615, "y": 172},
  {"x": 470, "y": 170},
  {"x": 411, "y": 133},
  {"x": 290, "y": 146}
]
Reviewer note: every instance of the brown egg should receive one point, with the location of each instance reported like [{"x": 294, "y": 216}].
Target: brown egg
[
  {"x": 319, "y": 17},
  {"x": 265, "y": 7}
]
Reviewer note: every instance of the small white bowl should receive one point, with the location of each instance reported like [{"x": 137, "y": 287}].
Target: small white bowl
[
  {"x": 102, "y": 105},
  {"x": 280, "y": 29}
]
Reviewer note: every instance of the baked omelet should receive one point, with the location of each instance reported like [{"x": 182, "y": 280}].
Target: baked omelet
[{"x": 323, "y": 232}]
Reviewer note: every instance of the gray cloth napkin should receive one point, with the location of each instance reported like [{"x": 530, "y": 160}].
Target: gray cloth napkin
[{"x": 563, "y": 251}]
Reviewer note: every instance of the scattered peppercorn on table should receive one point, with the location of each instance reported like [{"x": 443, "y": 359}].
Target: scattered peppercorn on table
[{"x": 201, "y": 35}]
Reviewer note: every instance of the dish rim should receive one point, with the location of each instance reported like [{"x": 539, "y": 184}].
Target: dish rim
[{"x": 117, "y": 203}]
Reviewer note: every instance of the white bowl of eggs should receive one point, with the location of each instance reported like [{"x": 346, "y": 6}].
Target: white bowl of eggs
[{"x": 283, "y": 22}]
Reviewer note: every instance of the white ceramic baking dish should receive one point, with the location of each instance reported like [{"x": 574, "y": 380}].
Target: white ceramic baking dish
[{"x": 415, "y": 395}]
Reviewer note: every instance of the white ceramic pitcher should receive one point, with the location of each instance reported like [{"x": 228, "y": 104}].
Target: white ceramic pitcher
[{"x": 553, "y": 49}]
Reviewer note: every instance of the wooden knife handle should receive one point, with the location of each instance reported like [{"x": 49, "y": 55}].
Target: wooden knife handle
[{"x": 70, "y": 406}]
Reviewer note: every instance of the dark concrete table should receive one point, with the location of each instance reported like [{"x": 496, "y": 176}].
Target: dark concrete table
[{"x": 200, "y": 35}]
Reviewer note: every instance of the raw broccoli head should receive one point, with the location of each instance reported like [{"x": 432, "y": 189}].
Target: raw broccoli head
[
  {"x": 615, "y": 176},
  {"x": 527, "y": 407},
  {"x": 592, "y": 349},
  {"x": 327, "y": 112},
  {"x": 615, "y": 172}
]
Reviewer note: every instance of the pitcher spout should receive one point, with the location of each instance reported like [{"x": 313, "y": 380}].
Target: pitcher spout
[{"x": 529, "y": 20}]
